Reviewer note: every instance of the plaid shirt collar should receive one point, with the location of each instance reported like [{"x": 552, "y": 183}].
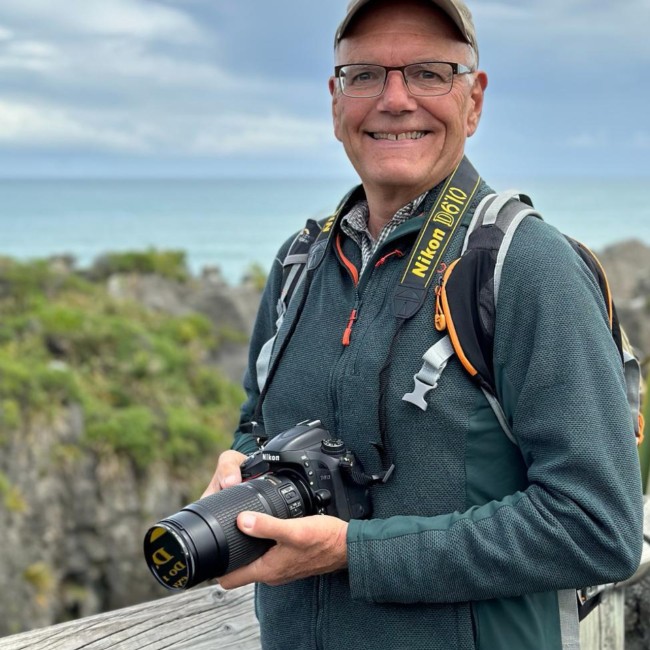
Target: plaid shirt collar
[{"x": 355, "y": 225}]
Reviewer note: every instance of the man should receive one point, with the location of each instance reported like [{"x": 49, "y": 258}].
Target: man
[{"x": 474, "y": 542}]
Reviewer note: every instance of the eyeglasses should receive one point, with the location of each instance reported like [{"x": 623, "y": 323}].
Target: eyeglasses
[{"x": 423, "y": 79}]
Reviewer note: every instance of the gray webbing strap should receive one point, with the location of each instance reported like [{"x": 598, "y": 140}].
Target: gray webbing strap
[
  {"x": 632, "y": 371},
  {"x": 263, "y": 362},
  {"x": 476, "y": 218},
  {"x": 569, "y": 624},
  {"x": 265, "y": 356},
  {"x": 492, "y": 213},
  {"x": 507, "y": 240},
  {"x": 435, "y": 361},
  {"x": 298, "y": 266},
  {"x": 299, "y": 258}
]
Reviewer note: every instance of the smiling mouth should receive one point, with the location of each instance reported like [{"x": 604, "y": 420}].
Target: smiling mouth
[{"x": 408, "y": 135}]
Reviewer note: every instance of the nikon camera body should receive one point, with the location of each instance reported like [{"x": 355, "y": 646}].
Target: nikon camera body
[{"x": 300, "y": 472}]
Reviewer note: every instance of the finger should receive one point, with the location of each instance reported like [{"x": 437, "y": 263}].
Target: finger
[
  {"x": 239, "y": 577},
  {"x": 258, "y": 524},
  {"x": 228, "y": 472}
]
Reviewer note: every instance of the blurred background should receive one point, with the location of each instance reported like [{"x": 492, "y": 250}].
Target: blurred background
[{"x": 154, "y": 154}]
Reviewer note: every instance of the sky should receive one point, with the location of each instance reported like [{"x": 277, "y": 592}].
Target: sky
[{"x": 238, "y": 88}]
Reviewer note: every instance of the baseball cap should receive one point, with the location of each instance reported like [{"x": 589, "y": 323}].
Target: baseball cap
[{"x": 457, "y": 11}]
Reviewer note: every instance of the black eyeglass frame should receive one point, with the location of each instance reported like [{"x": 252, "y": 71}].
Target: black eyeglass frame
[{"x": 456, "y": 69}]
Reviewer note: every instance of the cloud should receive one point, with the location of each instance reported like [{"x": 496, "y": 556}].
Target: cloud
[
  {"x": 574, "y": 29},
  {"x": 120, "y": 78},
  {"x": 46, "y": 127},
  {"x": 135, "y": 18},
  {"x": 270, "y": 133},
  {"x": 49, "y": 127}
]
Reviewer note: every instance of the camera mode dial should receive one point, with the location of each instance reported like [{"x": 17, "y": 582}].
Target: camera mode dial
[{"x": 332, "y": 447}]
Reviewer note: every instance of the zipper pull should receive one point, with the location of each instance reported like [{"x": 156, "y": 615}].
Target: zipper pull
[{"x": 347, "y": 334}]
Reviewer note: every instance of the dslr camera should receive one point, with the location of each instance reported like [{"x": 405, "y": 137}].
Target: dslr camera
[{"x": 302, "y": 471}]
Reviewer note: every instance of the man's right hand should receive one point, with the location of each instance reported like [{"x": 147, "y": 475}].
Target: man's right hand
[{"x": 228, "y": 472}]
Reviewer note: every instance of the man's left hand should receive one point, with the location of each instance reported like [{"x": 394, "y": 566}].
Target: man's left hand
[{"x": 304, "y": 547}]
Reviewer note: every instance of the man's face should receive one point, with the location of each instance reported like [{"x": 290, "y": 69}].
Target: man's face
[{"x": 394, "y": 35}]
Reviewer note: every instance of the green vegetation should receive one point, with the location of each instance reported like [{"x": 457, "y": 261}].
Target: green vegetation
[
  {"x": 168, "y": 264},
  {"x": 12, "y": 498},
  {"x": 40, "y": 576},
  {"x": 139, "y": 376}
]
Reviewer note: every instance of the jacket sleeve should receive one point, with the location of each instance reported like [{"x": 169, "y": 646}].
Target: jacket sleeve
[
  {"x": 263, "y": 330},
  {"x": 579, "y": 521}
]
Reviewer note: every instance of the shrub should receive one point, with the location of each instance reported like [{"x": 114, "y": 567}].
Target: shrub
[
  {"x": 169, "y": 264},
  {"x": 130, "y": 431}
]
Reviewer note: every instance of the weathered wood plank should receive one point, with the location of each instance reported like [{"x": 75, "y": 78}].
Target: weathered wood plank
[
  {"x": 210, "y": 618},
  {"x": 200, "y": 619},
  {"x": 604, "y": 628}
]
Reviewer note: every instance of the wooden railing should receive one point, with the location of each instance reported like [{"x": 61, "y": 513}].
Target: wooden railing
[
  {"x": 211, "y": 618},
  {"x": 200, "y": 619}
]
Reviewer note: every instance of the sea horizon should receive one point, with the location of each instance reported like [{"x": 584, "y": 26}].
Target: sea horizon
[{"x": 233, "y": 223}]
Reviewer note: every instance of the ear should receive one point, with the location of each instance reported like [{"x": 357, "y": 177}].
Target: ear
[
  {"x": 336, "y": 107},
  {"x": 475, "y": 100}
]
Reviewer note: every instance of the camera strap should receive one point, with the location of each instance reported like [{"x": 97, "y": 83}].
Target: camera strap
[{"x": 433, "y": 239}]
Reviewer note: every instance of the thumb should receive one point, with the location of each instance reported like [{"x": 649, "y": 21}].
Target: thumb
[{"x": 258, "y": 524}]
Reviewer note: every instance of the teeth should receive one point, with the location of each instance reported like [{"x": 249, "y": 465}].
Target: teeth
[{"x": 409, "y": 135}]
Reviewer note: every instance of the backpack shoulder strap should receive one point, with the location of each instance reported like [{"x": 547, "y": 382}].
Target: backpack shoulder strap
[
  {"x": 294, "y": 266},
  {"x": 295, "y": 262},
  {"x": 467, "y": 298}
]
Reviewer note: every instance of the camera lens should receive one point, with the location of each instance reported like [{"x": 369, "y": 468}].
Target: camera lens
[{"x": 202, "y": 541}]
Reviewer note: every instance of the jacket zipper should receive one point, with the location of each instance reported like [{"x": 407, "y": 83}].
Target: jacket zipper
[{"x": 354, "y": 314}]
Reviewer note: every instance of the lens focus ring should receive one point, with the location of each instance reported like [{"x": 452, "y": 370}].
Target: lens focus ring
[{"x": 257, "y": 495}]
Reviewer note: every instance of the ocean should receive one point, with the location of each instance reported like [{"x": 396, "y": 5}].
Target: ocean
[{"x": 235, "y": 223}]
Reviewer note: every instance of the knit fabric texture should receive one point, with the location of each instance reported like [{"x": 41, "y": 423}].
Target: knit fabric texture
[{"x": 472, "y": 536}]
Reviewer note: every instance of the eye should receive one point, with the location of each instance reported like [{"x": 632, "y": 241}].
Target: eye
[
  {"x": 425, "y": 74},
  {"x": 428, "y": 75},
  {"x": 361, "y": 75}
]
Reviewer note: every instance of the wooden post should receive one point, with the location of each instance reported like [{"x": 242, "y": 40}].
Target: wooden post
[{"x": 604, "y": 628}]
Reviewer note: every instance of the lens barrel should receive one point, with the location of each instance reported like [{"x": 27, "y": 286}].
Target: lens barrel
[{"x": 202, "y": 540}]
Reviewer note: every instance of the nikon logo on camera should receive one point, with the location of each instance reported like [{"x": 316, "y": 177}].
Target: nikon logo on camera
[{"x": 271, "y": 457}]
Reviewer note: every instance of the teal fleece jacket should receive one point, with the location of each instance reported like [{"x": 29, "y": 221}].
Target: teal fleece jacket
[{"x": 474, "y": 543}]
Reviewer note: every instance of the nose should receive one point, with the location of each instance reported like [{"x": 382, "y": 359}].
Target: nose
[{"x": 396, "y": 97}]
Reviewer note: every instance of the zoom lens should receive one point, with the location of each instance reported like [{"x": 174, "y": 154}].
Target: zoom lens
[{"x": 202, "y": 540}]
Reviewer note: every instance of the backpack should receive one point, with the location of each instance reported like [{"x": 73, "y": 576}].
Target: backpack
[
  {"x": 466, "y": 308},
  {"x": 467, "y": 297}
]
